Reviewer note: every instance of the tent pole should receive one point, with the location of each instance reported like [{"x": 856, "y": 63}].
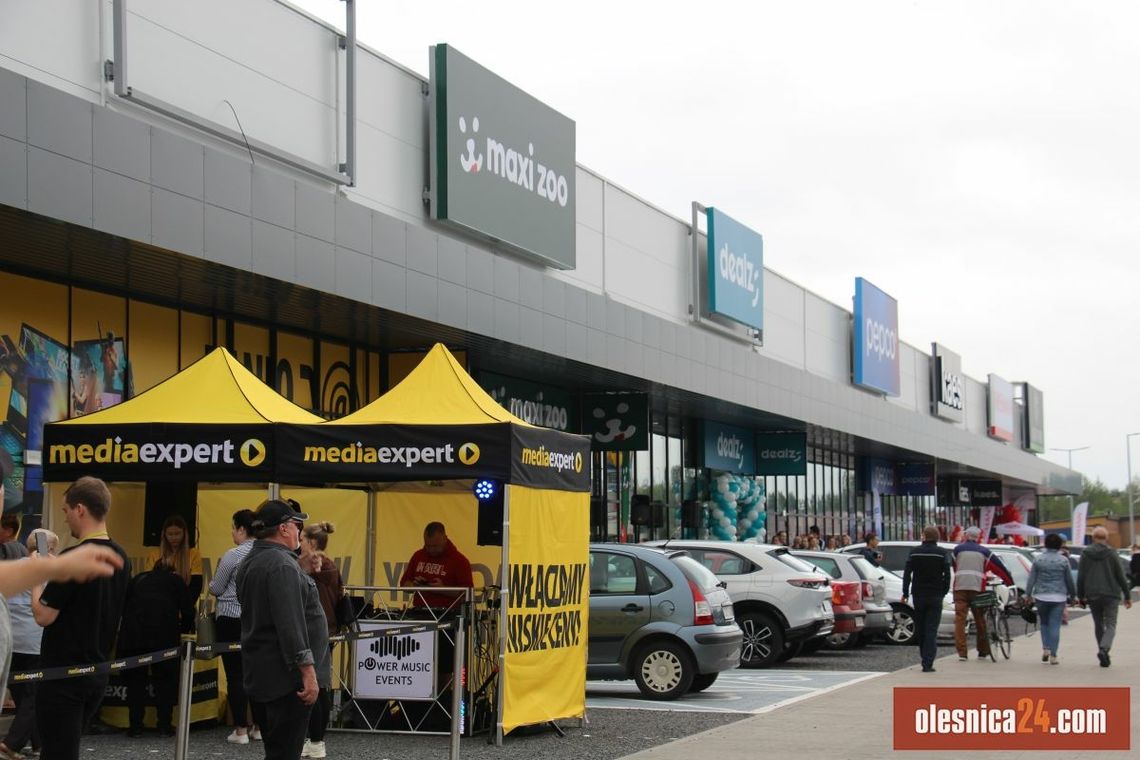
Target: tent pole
[
  {"x": 274, "y": 491},
  {"x": 370, "y": 546},
  {"x": 504, "y": 598}
]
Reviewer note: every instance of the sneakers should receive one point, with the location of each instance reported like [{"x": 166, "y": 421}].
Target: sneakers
[
  {"x": 255, "y": 734},
  {"x": 1044, "y": 655},
  {"x": 313, "y": 749},
  {"x": 236, "y": 738},
  {"x": 962, "y": 658},
  {"x": 1053, "y": 660},
  {"x": 1102, "y": 655},
  {"x": 927, "y": 668}
]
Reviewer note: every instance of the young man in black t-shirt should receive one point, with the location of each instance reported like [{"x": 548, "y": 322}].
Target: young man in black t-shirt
[{"x": 80, "y": 622}]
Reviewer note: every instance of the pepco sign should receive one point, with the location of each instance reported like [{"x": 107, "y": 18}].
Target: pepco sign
[{"x": 875, "y": 349}]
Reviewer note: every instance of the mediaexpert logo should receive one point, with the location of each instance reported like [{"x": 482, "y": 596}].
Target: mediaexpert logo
[
  {"x": 408, "y": 456},
  {"x": 117, "y": 451},
  {"x": 555, "y": 460},
  {"x": 516, "y": 167}
]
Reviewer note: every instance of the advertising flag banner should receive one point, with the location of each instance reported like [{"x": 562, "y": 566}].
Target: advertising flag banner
[
  {"x": 546, "y": 594},
  {"x": 1080, "y": 523},
  {"x": 986, "y": 522}
]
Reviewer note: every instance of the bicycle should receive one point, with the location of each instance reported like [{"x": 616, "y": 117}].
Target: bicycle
[{"x": 997, "y": 623}]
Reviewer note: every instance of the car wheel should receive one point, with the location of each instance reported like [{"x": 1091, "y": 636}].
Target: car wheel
[
  {"x": 763, "y": 640},
  {"x": 702, "y": 681},
  {"x": 842, "y": 641},
  {"x": 663, "y": 670},
  {"x": 903, "y": 632}
]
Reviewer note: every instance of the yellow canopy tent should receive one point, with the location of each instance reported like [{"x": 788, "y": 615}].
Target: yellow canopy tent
[
  {"x": 438, "y": 424},
  {"x": 213, "y": 421}
]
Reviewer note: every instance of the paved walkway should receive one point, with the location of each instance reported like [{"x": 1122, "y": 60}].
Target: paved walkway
[{"x": 855, "y": 722}]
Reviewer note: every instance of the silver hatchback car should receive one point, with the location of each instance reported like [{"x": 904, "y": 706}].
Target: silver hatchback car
[{"x": 660, "y": 618}]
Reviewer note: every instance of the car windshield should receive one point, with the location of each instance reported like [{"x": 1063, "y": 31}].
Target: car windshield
[
  {"x": 793, "y": 562},
  {"x": 865, "y": 569},
  {"x": 695, "y": 571}
]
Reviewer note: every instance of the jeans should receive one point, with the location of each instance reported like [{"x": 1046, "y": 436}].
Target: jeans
[
  {"x": 284, "y": 722},
  {"x": 927, "y": 616},
  {"x": 228, "y": 629},
  {"x": 63, "y": 710},
  {"x": 961, "y": 609},
  {"x": 1049, "y": 617},
  {"x": 1104, "y": 609},
  {"x": 23, "y": 728}
]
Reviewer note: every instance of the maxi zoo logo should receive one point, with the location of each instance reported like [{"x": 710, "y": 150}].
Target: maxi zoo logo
[{"x": 513, "y": 166}]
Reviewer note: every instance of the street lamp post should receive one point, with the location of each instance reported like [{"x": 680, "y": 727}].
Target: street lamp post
[{"x": 1131, "y": 510}]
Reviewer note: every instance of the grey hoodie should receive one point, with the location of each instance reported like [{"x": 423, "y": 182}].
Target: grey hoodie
[{"x": 1100, "y": 574}]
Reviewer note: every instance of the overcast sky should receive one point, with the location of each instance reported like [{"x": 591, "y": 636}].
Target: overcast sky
[{"x": 979, "y": 161}]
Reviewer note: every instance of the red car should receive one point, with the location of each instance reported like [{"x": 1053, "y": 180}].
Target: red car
[{"x": 847, "y": 602}]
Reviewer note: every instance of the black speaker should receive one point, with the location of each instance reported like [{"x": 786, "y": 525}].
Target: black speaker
[
  {"x": 639, "y": 509},
  {"x": 165, "y": 498},
  {"x": 490, "y": 524}
]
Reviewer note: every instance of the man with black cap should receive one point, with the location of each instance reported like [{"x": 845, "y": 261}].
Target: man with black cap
[{"x": 284, "y": 643}]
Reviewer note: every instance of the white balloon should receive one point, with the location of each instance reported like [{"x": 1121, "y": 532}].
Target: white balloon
[{"x": 724, "y": 522}]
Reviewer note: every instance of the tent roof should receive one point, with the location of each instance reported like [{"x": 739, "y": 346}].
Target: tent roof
[
  {"x": 216, "y": 389},
  {"x": 437, "y": 392}
]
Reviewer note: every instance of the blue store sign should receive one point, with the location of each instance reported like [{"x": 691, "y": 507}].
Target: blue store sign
[
  {"x": 729, "y": 448},
  {"x": 878, "y": 475},
  {"x": 735, "y": 270},
  {"x": 916, "y": 478},
  {"x": 876, "y": 339}
]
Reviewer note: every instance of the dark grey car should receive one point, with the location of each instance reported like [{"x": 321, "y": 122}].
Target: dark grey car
[{"x": 660, "y": 618}]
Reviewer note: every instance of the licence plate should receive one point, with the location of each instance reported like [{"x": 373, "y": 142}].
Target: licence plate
[
  {"x": 860, "y": 622},
  {"x": 729, "y": 613}
]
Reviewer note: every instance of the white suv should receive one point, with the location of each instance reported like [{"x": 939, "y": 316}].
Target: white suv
[{"x": 780, "y": 600}]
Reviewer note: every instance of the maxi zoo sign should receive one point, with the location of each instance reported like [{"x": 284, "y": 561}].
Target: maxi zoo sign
[{"x": 502, "y": 162}]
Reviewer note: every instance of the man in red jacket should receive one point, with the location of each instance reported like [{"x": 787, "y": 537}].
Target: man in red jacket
[{"x": 439, "y": 563}]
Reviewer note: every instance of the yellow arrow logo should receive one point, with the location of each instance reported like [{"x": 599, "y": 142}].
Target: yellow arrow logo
[
  {"x": 252, "y": 452},
  {"x": 469, "y": 454}
]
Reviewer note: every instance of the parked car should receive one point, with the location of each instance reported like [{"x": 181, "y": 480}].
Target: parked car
[
  {"x": 850, "y": 567},
  {"x": 847, "y": 603},
  {"x": 780, "y": 600},
  {"x": 658, "y": 617},
  {"x": 1017, "y": 560}
]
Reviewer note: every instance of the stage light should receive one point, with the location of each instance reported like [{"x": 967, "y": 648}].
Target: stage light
[{"x": 485, "y": 489}]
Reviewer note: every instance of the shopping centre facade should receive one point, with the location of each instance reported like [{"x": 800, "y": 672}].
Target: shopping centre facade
[{"x": 170, "y": 183}]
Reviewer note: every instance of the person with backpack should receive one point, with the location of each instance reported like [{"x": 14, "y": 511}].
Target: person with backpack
[{"x": 156, "y": 611}]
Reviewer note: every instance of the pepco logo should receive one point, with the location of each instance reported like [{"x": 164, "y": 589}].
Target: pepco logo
[
  {"x": 252, "y": 452},
  {"x": 469, "y": 454}
]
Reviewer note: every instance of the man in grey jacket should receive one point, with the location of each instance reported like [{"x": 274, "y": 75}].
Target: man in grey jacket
[
  {"x": 284, "y": 636},
  {"x": 1100, "y": 585}
]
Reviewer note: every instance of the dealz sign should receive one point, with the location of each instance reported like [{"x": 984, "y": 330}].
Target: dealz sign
[{"x": 735, "y": 270}]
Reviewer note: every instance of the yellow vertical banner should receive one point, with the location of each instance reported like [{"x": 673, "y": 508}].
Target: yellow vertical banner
[
  {"x": 547, "y": 602},
  {"x": 404, "y": 510}
]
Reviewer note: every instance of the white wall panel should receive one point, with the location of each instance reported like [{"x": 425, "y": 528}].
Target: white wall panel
[
  {"x": 907, "y": 397},
  {"x": 826, "y": 334},
  {"x": 54, "y": 42},
  {"x": 975, "y": 406},
  {"x": 783, "y": 320}
]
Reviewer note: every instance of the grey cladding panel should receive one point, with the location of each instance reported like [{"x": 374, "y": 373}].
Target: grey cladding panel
[
  {"x": 480, "y": 312},
  {"x": 389, "y": 239},
  {"x": 353, "y": 275},
  {"x": 122, "y": 145},
  {"x": 506, "y": 278},
  {"x": 59, "y": 122},
  {"x": 595, "y": 311},
  {"x": 122, "y": 206},
  {"x": 421, "y": 250},
  {"x": 554, "y": 297},
  {"x": 177, "y": 164},
  {"x": 275, "y": 253},
  {"x": 315, "y": 262},
  {"x": 177, "y": 222},
  {"x": 575, "y": 300},
  {"x": 228, "y": 182},
  {"x": 274, "y": 198},
  {"x": 452, "y": 309},
  {"x": 506, "y": 320},
  {"x": 59, "y": 187},
  {"x": 228, "y": 238},
  {"x": 452, "y": 260},
  {"x": 389, "y": 285},
  {"x": 423, "y": 295},
  {"x": 13, "y": 173},
  {"x": 530, "y": 327},
  {"x": 530, "y": 287},
  {"x": 316, "y": 212},
  {"x": 480, "y": 270},
  {"x": 13, "y": 105},
  {"x": 353, "y": 226}
]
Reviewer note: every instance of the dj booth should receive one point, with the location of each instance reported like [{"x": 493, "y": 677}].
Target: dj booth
[{"x": 404, "y": 683}]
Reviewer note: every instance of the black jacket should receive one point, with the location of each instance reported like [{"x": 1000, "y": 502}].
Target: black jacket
[
  {"x": 927, "y": 571},
  {"x": 156, "y": 611}
]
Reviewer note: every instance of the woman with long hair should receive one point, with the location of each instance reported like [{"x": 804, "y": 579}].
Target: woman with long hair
[
  {"x": 174, "y": 549},
  {"x": 330, "y": 587},
  {"x": 227, "y": 624}
]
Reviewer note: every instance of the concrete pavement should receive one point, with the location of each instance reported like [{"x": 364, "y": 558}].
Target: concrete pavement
[{"x": 855, "y": 722}]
